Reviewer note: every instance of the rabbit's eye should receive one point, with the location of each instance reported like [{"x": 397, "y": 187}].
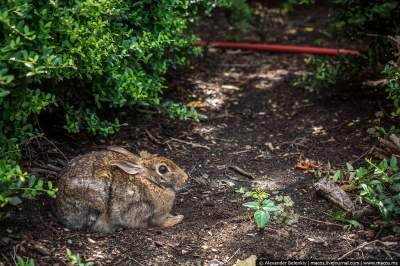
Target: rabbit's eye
[{"x": 162, "y": 169}]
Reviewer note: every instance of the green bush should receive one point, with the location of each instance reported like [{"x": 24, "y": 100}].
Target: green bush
[
  {"x": 379, "y": 185},
  {"x": 326, "y": 72},
  {"x": 375, "y": 20},
  {"x": 361, "y": 17},
  {"x": 82, "y": 57},
  {"x": 392, "y": 75},
  {"x": 240, "y": 15}
]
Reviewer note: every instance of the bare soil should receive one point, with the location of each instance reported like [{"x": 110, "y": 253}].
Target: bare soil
[{"x": 251, "y": 107}]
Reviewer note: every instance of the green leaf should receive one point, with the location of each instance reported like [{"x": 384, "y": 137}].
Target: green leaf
[
  {"x": 271, "y": 209},
  {"x": 39, "y": 184},
  {"x": 252, "y": 205},
  {"x": 377, "y": 184},
  {"x": 261, "y": 218},
  {"x": 383, "y": 165},
  {"x": 383, "y": 210},
  {"x": 31, "y": 181},
  {"x": 4, "y": 93},
  {"x": 268, "y": 203},
  {"x": 361, "y": 172},
  {"x": 241, "y": 190},
  {"x": 393, "y": 164},
  {"x": 349, "y": 167},
  {"x": 339, "y": 215},
  {"x": 395, "y": 187},
  {"x": 355, "y": 224},
  {"x": 337, "y": 176}
]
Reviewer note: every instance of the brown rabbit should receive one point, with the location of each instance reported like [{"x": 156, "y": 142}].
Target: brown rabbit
[{"x": 106, "y": 190}]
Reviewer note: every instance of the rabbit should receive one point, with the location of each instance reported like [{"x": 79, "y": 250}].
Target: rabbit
[{"x": 114, "y": 188}]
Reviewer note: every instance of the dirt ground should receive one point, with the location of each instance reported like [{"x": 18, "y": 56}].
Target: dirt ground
[{"x": 257, "y": 121}]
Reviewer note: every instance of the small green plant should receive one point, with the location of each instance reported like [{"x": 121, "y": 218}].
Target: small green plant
[
  {"x": 327, "y": 171},
  {"x": 378, "y": 185},
  {"x": 286, "y": 214},
  {"x": 22, "y": 262},
  {"x": 180, "y": 111},
  {"x": 75, "y": 259},
  {"x": 349, "y": 223},
  {"x": 324, "y": 73},
  {"x": 264, "y": 207},
  {"x": 373, "y": 22},
  {"x": 381, "y": 132}
]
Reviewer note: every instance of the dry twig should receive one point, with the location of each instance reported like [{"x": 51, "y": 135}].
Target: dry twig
[
  {"x": 154, "y": 139},
  {"x": 55, "y": 146},
  {"x": 357, "y": 248},
  {"x": 241, "y": 171},
  {"x": 196, "y": 145},
  {"x": 369, "y": 151},
  {"x": 388, "y": 147},
  {"x": 231, "y": 257},
  {"x": 321, "y": 222}
]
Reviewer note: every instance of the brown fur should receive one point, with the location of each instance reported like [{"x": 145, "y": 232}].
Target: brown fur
[{"x": 96, "y": 191}]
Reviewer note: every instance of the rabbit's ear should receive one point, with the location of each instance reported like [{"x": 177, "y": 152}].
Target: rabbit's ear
[
  {"x": 128, "y": 167},
  {"x": 120, "y": 150}
]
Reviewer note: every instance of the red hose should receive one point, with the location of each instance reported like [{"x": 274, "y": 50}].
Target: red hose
[{"x": 278, "y": 48}]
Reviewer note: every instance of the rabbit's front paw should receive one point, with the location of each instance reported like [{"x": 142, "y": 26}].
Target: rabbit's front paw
[{"x": 172, "y": 220}]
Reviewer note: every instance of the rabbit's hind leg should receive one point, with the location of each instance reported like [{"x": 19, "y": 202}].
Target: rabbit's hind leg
[
  {"x": 78, "y": 218},
  {"x": 103, "y": 224}
]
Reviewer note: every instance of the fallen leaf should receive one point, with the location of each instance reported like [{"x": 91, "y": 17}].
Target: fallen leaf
[
  {"x": 307, "y": 165},
  {"x": 345, "y": 187},
  {"x": 196, "y": 104}
]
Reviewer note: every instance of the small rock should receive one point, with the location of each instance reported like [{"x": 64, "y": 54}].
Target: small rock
[
  {"x": 91, "y": 240},
  {"x": 158, "y": 243},
  {"x": 205, "y": 247},
  {"x": 14, "y": 201},
  {"x": 214, "y": 262},
  {"x": 228, "y": 182},
  {"x": 269, "y": 145},
  {"x": 318, "y": 240},
  {"x": 41, "y": 249},
  {"x": 8, "y": 230},
  {"x": 184, "y": 251}
]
